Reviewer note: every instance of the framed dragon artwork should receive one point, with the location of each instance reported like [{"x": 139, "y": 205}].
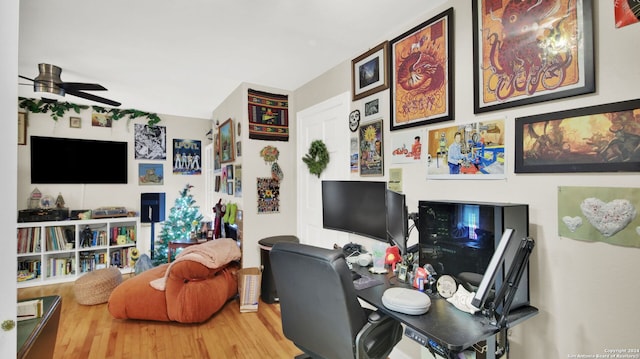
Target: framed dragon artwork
[
  {"x": 421, "y": 69},
  {"x": 530, "y": 51}
]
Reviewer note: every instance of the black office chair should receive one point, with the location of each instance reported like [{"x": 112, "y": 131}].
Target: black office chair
[{"x": 320, "y": 310}]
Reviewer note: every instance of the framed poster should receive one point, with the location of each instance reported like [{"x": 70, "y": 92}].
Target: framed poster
[
  {"x": 22, "y": 128},
  {"x": 226, "y": 141},
  {"x": 421, "y": 68},
  {"x": 553, "y": 59},
  {"x": 371, "y": 149},
  {"x": 369, "y": 72},
  {"x": 186, "y": 157},
  {"x": 150, "y": 174},
  {"x": 603, "y": 138},
  {"x": 150, "y": 142}
]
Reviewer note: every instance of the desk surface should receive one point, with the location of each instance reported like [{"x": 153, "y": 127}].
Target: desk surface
[
  {"x": 30, "y": 330},
  {"x": 443, "y": 322}
]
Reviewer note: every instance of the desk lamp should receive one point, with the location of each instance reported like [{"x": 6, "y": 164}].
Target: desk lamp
[{"x": 392, "y": 256}]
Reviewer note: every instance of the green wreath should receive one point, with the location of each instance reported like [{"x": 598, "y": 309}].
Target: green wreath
[{"x": 317, "y": 158}]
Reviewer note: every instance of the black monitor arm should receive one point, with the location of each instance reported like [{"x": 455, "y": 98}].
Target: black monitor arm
[{"x": 507, "y": 291}]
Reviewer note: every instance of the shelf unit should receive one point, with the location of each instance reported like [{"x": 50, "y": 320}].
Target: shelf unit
[{"x": 62, "y": 251}]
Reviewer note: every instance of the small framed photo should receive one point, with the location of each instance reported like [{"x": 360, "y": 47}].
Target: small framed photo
[
  {"x": 369, "y": 72},
  {"x": 22, "y": 128},
  {"x": 75, "y": 122},
  {"x": 402, "y": 272}
]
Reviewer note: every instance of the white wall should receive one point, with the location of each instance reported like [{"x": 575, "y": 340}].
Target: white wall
[
  {"x": 258, "y": 226},
  {"x": 586, "y": 292},
  {"x": 91, "y": 196},
  {"x": 8, "y": 157}
]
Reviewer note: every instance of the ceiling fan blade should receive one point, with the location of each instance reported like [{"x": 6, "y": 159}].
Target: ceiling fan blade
[
  {"x": 95, "y": 98},
  {"x": 26, "y": 78},
  {"x": 79, "y": 86}
]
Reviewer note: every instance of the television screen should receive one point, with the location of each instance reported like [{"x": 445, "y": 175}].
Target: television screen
[
  {"x": 73, "y": 160},
  {"x": 356, "y": 207},
  {"x": 397, "y": 220}
]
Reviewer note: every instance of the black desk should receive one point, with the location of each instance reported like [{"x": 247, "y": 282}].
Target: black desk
[
  {"x": 449, "y": 327},
  {"x": 37, "y": 337}
]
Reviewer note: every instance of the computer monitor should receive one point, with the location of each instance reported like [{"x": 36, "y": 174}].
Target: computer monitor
[
  {"x": 397, "y": 219},
  {"x": 494, "y": 268}
]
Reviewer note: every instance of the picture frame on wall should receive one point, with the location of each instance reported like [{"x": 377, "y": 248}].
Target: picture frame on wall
[
  {"x": 421, "y": 69},
  {"x": 226, "y": 141},
  {"x": 602, "y": 138},
  {"x": 22, "y": 128},
  {"x": 75, "y": 122},
  {"x": 369, "y": 72},
  {"x": 371, "y": 148},
  {"x": 513, "y": 68}
]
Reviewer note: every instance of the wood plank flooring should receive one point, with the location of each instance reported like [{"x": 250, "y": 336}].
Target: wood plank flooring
[{"x": 91, "y": 332}]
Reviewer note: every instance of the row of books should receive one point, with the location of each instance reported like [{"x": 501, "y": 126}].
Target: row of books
[
  {"x": 129, "y": 233},
  {"x": 29, "y": 240},
  {"x": 56, "y": 238},
  {"x": 61, "y": 266},
  {"x": 29, "y": 269}
]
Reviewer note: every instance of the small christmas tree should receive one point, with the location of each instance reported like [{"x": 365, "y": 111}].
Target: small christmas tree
[{"x": 184, "y": 218}]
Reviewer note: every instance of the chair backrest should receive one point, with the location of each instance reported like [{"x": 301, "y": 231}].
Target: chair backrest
[{"x": 320, "y": 310}]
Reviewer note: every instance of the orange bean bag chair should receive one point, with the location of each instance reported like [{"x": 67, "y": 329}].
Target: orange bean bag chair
[{"x": 189, "y": 290}]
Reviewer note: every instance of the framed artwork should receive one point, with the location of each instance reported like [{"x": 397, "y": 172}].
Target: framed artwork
[
  {"x": 75, "y": 122},
  {"x": 603, "y": 138},
  {"x": 22, "y": 128},
  {"x": 371, "y": 149},
  {"x": 421, "y": 68},
  {"x": 101, "y": 119},
  {"x": 474, "y": 150},
  {"x": 226, "y": 141},
  {"x": 372, "y": 108},
  {"x": 187, "y": 155},
  {"x": 369, "y": 72},
  {"x": 150, "y": 174},
  {"x": 552, "y": 60},
  {"x": 238, "y": 181},
  {"x": 150, "y": 142}
]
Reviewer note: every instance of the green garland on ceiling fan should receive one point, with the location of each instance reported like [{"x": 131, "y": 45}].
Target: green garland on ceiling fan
[
  {"x": 58, "y": 109},
  {"x": 317, "y": 158}
]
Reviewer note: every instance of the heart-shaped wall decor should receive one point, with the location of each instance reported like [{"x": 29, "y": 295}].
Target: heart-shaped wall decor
[
  {"x": 608, "y": 218},
  {"x": 572, "y": 222}
]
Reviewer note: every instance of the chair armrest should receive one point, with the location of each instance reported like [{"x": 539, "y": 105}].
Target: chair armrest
[{"x": 378, "y": 337}]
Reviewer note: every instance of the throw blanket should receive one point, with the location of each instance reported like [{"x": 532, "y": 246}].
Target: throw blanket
[{"x": 211, "y": 254}]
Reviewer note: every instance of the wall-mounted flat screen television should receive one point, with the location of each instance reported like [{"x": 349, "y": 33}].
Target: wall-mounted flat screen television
[
  {"x": 72, "y": 160},
  {"x": 356, "y": 207}
]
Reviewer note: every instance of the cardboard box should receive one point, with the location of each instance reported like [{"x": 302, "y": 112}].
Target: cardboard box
[{"x": 249, "y": 289}]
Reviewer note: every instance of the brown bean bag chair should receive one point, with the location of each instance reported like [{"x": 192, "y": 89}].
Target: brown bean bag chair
[{"x": 189, "y": 290}]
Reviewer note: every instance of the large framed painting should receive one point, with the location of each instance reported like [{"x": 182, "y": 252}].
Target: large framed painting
[
  {"x": 226, "y": 141},
  {"x": 421, "y": 69},
  {"x": 531, "y": 51},
  {"x": 369, "y": 72},
  {"x": 603, "y": 138}
]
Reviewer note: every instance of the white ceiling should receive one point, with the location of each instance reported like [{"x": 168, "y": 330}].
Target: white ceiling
[{"x": 184, "y": 57}]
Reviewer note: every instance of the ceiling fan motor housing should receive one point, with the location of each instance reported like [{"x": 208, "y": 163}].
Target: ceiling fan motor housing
[{"x": 48, "y": 80}]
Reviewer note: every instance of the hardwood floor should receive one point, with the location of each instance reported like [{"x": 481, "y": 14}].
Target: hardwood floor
[{"x": 91, "y": 332}]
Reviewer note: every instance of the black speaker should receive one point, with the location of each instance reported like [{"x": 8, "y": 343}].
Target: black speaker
[{"x": 152, "y": 207}]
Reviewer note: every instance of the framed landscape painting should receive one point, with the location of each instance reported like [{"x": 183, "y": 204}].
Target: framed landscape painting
[
  {"x": 527, "y": 52},
  {"x": 369, "y": 72},
  {"x": 603, "y": 138}
]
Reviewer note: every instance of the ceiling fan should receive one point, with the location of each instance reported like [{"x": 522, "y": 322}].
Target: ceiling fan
[{"x": 49, "y": 81}]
